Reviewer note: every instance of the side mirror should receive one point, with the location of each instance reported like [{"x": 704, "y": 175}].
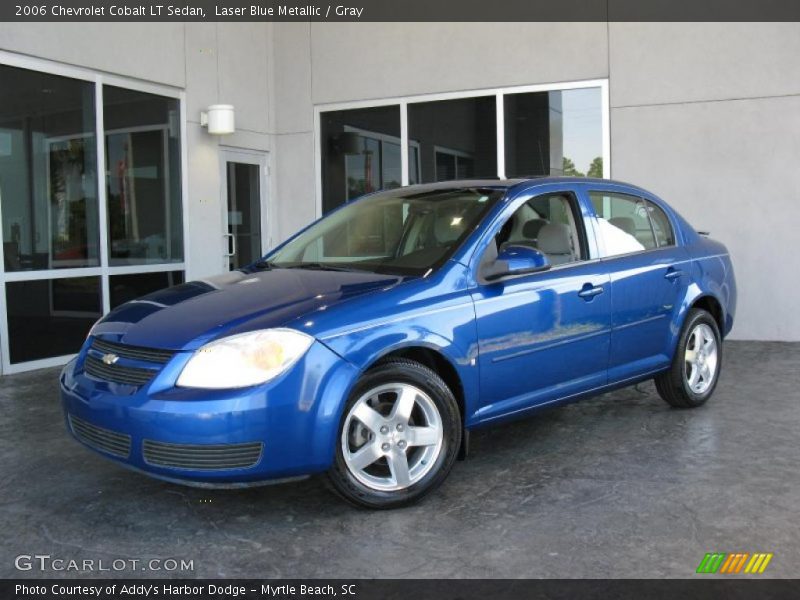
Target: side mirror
[{"x": 516, "y": 260}]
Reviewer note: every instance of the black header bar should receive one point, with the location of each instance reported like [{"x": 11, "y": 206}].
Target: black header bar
[{"x": 399, "y": 10}]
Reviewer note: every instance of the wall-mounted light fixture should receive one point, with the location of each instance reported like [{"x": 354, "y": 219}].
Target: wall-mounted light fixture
[{"x": 218, "y": 118}]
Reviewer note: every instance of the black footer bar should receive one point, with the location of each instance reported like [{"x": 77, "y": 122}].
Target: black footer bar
[{"x": 389, "y": 589}]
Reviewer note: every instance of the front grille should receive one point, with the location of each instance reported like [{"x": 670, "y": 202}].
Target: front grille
[
  {"x": 154, "y": 355},
  {"x": 99, "y": 438},
  {"x": 117, "y": 373},
  {"x": 211, "y": 457}
]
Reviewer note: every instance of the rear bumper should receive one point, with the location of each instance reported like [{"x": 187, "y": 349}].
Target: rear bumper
[{"x": 221, "y": 438}]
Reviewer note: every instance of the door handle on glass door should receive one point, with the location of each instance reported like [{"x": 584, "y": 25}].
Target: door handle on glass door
[{"x": 231, "y": 244}]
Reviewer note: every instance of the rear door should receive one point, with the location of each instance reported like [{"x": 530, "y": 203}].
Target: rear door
[{"x": 648, "y": 270}]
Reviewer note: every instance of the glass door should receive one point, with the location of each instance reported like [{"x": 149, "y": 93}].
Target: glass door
[{"x": 244, "y": 218}]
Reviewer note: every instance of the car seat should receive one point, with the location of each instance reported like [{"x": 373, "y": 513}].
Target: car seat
[
  {"x": 627, "y": 224},
  {"x": 532, "y": 228},
  {"x": 555, "y": 241}
]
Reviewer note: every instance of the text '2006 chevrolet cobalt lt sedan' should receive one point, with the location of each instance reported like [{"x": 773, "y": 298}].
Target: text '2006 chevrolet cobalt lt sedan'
[{"x": 370, "y": 343}]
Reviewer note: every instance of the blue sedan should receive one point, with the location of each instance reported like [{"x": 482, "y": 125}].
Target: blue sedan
[{"x": 371, "y": 343}]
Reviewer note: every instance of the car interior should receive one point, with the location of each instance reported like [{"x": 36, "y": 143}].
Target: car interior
[
  {"x": 430, "y": 233},
  {"x": 630, "y": 223},
  {"x": 546, "y": 223},
  {"x": 411, "y": 234}
]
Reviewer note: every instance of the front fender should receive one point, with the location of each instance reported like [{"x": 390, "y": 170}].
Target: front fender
[{"x": 364, "y": 347}]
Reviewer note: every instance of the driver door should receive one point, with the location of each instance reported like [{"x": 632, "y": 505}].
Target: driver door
[{"x": 543, "y": 336}]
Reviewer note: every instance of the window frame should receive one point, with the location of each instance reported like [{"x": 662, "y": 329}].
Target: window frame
[
  {"x": 499, "y": 94},
  {"x": 670, "y": 224},
  {"x": 601, "y": 248},
  {"x": 104, "y": 269}
]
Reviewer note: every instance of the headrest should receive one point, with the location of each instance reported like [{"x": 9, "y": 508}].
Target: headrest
[
  {"x": 554, "y": 239},
  {"x": 531, "y": 228},
  {"x": 449, "y": 226},
  {"x": 627, "y": 224}
]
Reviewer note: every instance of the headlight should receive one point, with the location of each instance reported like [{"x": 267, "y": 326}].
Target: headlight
[{"x": 245, "y": 359}]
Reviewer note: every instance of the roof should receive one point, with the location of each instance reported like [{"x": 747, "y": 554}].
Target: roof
[{"x": 509, "y": 183}]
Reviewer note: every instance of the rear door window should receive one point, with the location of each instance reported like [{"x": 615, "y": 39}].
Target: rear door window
[{"x": 625, "y": 226}]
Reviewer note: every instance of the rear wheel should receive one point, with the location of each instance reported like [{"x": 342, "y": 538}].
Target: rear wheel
[
  {"x": 398, "y": 438},
  {"x": 696, "y": 366}
]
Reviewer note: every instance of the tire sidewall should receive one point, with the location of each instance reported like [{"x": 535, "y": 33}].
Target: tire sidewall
[
  {"x": 696, "y": 317},
  {"x": 418, "y": 376}
]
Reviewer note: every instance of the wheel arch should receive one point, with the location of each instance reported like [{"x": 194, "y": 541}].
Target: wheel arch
[
  {"x": 713, "y": 306},
  {"x": 435, "y": 359},
  {"x": 696, "y": 297}
]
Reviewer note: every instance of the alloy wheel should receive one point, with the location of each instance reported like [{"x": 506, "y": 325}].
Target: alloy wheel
[
  {"x": 701, "y": 358},
  {"x": 392, "y": 437}
]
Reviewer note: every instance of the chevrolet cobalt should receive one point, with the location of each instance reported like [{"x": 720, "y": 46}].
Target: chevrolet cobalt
[{"x": 368, "y": 345}]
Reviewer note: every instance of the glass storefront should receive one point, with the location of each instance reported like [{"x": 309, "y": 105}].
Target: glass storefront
[
  {"x": 554, "y": 133},
  {"x": 360, "y": 153},
  {"x": 143, "y": 178},
  {"x": 48, "y": 171},
  {"x": 514, "y": 132},
  {"x": 50, "y": 317},
  {"x": 122, "y": 288},
  {"x": 457, "y": 138},
  {"x": 54, "y": 269}
]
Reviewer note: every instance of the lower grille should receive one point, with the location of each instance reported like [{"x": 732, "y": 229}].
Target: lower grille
[
  {"x": 117, "y": 373},
  {"x": 211, "y": 457},
  {"x": 99, "y": 438}
]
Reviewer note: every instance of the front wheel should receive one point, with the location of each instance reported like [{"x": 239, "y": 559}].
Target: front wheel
[
  {"x": 398, "y": 438},
  {"x": 696, "y": 366}
]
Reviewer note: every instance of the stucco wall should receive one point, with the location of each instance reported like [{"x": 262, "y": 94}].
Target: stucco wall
[{"x": 706, "y": 115}]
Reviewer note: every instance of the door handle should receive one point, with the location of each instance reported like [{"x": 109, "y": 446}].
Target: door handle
[
  {"x": 231, "y": 244},
  {"x": 672, "y": 274},
  {"x": 589, "y": 291}
]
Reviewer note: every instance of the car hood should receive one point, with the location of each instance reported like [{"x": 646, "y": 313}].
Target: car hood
[{"x": 191, "y": 314}]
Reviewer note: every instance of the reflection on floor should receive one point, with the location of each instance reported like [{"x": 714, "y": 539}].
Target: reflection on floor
[{"x": 595, "y": 489}]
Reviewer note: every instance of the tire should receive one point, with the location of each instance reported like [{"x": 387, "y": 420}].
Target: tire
[
  {"x": 693, "y": 375},
  {"x": 374, "y": 423}
]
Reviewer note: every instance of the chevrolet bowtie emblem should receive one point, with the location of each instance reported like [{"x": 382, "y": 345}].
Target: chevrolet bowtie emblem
[{"x": 110, "y": 358}]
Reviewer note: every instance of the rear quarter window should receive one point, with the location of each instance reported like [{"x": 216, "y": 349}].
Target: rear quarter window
[{"x": 661, "y": 226}]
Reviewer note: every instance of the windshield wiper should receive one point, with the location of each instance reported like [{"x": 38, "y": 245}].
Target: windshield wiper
[
  {"x": 318, "y": 266},
  {"x": 264, "y": 265}
]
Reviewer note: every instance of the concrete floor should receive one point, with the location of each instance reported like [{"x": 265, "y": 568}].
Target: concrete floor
[{"x": 616, "y": 486}]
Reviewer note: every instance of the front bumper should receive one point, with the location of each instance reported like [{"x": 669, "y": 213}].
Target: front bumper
[{"x": 293, "y": 420}]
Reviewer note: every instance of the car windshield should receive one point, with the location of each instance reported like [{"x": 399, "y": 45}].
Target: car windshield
[{"x": 403, "y": 232}]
